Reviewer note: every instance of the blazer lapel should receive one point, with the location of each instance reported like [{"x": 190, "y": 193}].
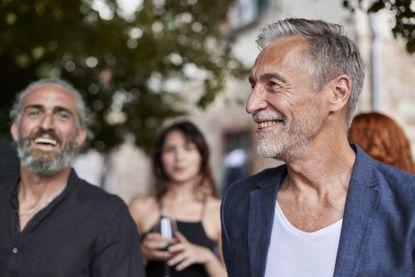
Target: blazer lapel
[
  {"x": 261, "y": 215},
  {"x": 361, "y": 202}
]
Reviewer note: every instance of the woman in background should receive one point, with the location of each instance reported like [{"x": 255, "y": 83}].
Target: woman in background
[
  {"x": 185, "y": 192},
  {"x": 383, "y": 139}
]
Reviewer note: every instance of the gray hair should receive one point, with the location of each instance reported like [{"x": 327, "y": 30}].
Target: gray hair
[
  {"x": 329, "y": 52},
  {"x": 84, "y": 117}
]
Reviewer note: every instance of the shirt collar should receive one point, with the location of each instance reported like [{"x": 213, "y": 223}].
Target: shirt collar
[{"x": 14, "y": 194}]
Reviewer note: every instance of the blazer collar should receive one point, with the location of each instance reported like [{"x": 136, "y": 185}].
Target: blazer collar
[
  {"x": 361, "y": 203},
  {"x": 261, "y": 214}
]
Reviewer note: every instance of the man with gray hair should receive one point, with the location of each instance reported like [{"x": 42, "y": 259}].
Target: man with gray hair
[
  {"x": 330, "y": 210},
  {"x": 52, "y": 223}
]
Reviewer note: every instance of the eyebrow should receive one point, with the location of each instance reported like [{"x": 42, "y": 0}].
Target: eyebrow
[
  {"x": 267, "y": 76},
  {"x": 273, "y": 75},
  {"x": 56, "y": 109}
]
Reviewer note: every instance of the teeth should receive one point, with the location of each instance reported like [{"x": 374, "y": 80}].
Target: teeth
[
  {"x": 265, "y": 124},
  {"x": 45, "y": 141}
]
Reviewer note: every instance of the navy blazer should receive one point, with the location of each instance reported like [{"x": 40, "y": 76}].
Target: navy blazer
[{"x": 378, "y": 231}]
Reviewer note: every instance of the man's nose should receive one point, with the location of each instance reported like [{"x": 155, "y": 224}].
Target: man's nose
[
  {"x": 47, "y": 122},
  {"x": 256, "y": 101}
]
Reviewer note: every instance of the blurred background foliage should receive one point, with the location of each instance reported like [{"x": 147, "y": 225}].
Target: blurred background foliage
[
  {"x": 118, "y": 56},
  {"x": 403, "y": 14}
]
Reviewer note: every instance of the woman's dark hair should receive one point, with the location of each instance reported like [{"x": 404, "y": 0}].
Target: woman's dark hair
[{"x": 192, "y": 135}]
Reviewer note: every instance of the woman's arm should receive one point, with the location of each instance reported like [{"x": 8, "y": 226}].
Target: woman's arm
[
  {"x": 142, "y": 210},
  {"x": 186, "y": 253}
]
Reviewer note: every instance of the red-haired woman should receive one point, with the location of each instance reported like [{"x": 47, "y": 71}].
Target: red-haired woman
[{"x": 383, "y": 139}]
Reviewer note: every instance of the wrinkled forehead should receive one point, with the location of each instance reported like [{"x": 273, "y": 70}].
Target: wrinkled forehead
[
  {"x": 50, "y": 96},
  {"x": 284, "y": 48},
  {"x": 284, "y": 51}
]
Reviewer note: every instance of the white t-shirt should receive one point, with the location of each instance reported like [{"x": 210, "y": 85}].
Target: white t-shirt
[{"x": 295, "y": 253}]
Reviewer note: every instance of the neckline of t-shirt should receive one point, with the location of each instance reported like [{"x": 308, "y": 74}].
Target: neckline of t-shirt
[{"x": 286, "y": 224}]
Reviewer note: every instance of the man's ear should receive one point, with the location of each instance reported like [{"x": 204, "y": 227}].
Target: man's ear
[
  {"x": 340, "y": 90},
  {"x": 81, "y": 137},
  {"x": 14, "y": 132}
]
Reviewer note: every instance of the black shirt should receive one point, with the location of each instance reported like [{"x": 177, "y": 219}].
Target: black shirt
[
  {"x": 9, "y": 162},
  {"x": 83, "y": 232}
]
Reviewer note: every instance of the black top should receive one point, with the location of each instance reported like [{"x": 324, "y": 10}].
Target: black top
[
  {"x": 9, "y": 162},
  {"x": 194, "y": 233},
  {"x": 83, "y": 232}
]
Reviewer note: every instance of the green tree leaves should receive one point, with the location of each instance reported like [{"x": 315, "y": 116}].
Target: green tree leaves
[{"x": 119, "y": 62}]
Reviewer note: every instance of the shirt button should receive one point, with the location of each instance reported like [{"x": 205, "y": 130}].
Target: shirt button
[{"x": 15, "y": 250}]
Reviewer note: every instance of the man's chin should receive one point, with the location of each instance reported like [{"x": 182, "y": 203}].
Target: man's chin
[
  {"x": 266, "y": 152},
  {"x": 44, "y": 167},
  {"x": 44, "y": 156}
]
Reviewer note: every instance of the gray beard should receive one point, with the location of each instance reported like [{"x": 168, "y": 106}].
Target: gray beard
[
  {"x": 42, "y": 167},
  {"x": 280, "y": 150},
  {"x": 295, "y": 136},
  {"x": 289, "y": 145}
]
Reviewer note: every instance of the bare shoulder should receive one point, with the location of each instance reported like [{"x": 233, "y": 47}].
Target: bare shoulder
[
  {"x": 213, "y": 204},
  {"x": 143, "y": 203},
  {"x": 144, "y": 211},
  {"x": 211, "y": 221}
]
